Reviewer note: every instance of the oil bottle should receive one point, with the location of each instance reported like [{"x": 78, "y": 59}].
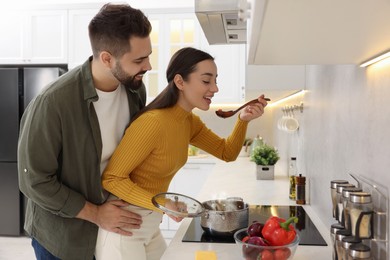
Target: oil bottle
[{"x": 292, "y": 173}]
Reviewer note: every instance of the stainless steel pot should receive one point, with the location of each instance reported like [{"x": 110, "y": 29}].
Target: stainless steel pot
[{"x": 225, "y": 216}]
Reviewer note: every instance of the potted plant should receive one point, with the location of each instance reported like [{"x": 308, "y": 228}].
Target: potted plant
[{"x": 265, "y": 157}]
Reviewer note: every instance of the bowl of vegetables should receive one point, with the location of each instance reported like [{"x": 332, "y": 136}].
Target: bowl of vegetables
[{"x": 276, "y": 239}]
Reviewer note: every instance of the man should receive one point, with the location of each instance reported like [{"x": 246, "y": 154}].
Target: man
[{"x": 69, "y": 132}]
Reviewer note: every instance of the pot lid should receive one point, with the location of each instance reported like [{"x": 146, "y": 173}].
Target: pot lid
[{"x": 178, "y": 205}]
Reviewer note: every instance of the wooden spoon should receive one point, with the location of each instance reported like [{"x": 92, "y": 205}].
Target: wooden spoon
[{"x": 226, "y": 114}]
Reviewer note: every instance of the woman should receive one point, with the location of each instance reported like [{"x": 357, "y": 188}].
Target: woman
[{"x": 161, "y": 134}]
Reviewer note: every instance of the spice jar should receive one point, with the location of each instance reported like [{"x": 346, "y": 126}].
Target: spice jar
[
  {"x": 344, "y": 198},
  {"x": 346, "y": 243},
  {"x": 339, "y": 209},
  {"x": 333, "y": 186},
  {"x": 361, "y": 212},
  {"x": 359, "y": 252},
  {"x": 339, "y": 242},
  {"x": 333, "y": 230},
  {"x": 300, "y": 189}
]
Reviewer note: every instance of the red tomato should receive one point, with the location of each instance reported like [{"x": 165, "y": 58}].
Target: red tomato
[
  {"x": 267, "y": 255},
  {"x": 246, "y": 238},
  {"x": 282, "y": 254}
]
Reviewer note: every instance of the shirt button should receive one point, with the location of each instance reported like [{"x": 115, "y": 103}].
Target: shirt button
[{"x": 25, "y": 170}]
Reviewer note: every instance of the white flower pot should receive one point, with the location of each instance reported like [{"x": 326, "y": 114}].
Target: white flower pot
[{"x": 265, "y": 172}]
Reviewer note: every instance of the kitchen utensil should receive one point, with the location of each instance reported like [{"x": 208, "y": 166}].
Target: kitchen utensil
[
  {"x": 225, "y": 216},
  {"x": 281, "y": 120},
  {"x": 226, "y": 114},
  {"x": 184, "y": 206},
  {"x": 290, "y": 124}
]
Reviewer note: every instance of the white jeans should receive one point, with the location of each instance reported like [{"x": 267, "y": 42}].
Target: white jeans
[{"x": 146, "y": 243}]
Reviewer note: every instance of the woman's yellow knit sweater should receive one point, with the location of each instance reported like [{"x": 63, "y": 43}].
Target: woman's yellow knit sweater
[{"x": 155, "y": 147}]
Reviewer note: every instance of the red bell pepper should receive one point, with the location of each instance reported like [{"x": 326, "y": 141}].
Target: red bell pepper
[{"x": 279, "y": 232}]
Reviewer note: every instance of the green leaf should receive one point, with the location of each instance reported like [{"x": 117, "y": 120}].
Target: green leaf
[{"x": 265, "y": 155}]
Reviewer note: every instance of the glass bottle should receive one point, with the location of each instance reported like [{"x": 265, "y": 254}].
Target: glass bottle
[
  {"x": 346, "y": 242},
  {"x": 361, "y": 212},
  {"x": 339, "y": 209},
  {"x": 292, "y": 172},
  {"x": 359, "y": 252},
  {"x": 344, "y": 198},
  {"x": 300, "y": 189},
  {"x": 333, "y": 230},
  {"x": 257, "y": 141},
  {"x": 333, "y": 186},
  {"x": 339, "y": 242}
]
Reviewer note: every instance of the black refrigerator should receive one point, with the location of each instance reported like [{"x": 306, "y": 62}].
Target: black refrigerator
[{"x": 18, "y": 86}]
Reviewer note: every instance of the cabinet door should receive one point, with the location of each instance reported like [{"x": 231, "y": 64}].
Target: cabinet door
[
  {"x": 79, "y": 45},
  {"x": 11, "y": 31},
  {"x": 10, "y": 217},
  {"x": 33, "y": 37},
  {"x": 48, "y": 34}
]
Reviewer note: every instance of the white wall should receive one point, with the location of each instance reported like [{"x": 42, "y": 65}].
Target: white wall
[{"x": 345, "y": 128}]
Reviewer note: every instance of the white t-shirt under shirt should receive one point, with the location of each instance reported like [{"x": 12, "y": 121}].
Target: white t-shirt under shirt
[{"x": 113, "y": 113}]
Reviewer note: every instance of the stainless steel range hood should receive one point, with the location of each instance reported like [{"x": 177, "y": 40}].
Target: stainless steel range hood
[{"x": 220, "y": 22}]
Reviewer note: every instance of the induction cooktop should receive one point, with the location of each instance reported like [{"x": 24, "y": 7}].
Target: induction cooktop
[{"x": 305, "y": 227}]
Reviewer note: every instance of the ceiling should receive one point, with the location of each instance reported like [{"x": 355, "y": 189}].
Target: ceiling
[{"x": 298, "y": 32}]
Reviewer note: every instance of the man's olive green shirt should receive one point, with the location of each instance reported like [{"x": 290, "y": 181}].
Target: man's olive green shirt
[{"x": 59, "y": 155}]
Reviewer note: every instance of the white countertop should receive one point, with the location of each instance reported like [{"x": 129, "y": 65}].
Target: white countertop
[
  {"x": 202, "y": 159},
  {"x": 238, "y": 179}
]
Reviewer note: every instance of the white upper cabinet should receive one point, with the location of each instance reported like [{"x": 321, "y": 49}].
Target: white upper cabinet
[
  {"x": 304, "y": 32},
  {"x": 33, "y": 37},
  {"x": 79, "y": 45}
]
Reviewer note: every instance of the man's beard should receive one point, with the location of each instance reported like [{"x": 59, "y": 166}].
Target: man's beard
[{"x": 125, "y": 79}]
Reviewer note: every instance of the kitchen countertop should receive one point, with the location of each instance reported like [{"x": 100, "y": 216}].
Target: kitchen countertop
[
  {"x": 202, "y": 159},
  {"x": 239, "y": 179}
]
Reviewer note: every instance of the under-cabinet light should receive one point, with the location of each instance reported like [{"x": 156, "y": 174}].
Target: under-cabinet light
[
  {"x": 293, "y": 95},
  {"x": 376, "y": 59}
]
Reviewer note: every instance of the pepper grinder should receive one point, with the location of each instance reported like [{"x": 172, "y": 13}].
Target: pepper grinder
[{"x": 300, "y": 189}]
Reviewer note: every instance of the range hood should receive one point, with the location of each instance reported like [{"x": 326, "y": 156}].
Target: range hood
[{"x": 220, "y": 22}]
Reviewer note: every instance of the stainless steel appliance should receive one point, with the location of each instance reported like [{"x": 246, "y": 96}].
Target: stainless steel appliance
[
  {"x": 308, "y": 232},
  {"x": 18, "y": 86}
]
